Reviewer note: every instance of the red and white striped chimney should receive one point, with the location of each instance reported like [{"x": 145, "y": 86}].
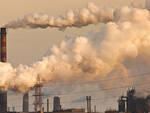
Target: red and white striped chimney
[
  {"x": 3, "y": 94},
  {"x": 3, "y": 45}
]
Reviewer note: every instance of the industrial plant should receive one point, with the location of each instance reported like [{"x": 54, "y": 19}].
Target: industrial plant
[
  {"x": 126, "y": 104},
  {"x": 37, "y": 88}
]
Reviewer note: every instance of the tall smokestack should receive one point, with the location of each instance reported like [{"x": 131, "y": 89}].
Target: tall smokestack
[
  {"x": 3, "y": 94},
  {"x": 3, "y": 45},
  {"x": 26, "y": 102}
]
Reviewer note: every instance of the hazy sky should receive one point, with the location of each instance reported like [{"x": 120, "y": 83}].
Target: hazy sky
[{"x": 25, "y": 46}]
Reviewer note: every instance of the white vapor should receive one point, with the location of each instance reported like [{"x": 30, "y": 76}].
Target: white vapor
[
  {"x": 90, "y": 15},
  {"x": 88, "y": 59}
]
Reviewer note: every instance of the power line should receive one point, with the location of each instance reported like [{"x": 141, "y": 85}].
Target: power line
[
  {"x": 95, "y": 99},
  {"x": 112, "y": 88},
  {"x": 120, "y": 77},
  {"x": 102, "y": 89},
  {"x": 136, "y": 75}
]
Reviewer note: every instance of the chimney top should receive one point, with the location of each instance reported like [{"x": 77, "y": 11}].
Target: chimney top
[{"x": 3, "y": 30}]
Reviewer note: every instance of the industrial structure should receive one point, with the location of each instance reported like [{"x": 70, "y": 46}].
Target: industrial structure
[
  {"x": 126, "y": 104},
  {"x": 47, "y": 105},
  {"x": 38, "y": 88},
  {"x": 88, "y": 99},
  {"x": 56, "y": 104},
  {"x": 3, "y": 58},
  {"x": 57, "y": 107},
  {"x": 26, "y": 102},
  {"x": 133, "y": 104},
  {"x": 38, "y": 95}
]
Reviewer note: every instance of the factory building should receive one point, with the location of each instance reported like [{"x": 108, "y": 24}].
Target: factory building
[
  {"x": 136, "y": 104},
  {"x": 133, "y": 104},
  {"x": 122, "y": 104},
  {"x": 57, "y": 107},
  {"x": 56, "y": 104}
]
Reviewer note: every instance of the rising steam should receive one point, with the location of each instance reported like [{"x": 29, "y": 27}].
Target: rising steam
[
  {"x": 84, "y": 59},
  {"x": 90, "y": 15}
]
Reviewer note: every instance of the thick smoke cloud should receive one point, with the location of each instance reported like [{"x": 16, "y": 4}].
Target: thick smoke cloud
[
  {"x": 90, "y": 15},
  {"x": 88, "y": 59}
]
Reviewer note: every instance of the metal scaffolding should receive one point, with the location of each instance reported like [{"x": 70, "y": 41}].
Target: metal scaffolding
[{"x": 38, "y": 95}]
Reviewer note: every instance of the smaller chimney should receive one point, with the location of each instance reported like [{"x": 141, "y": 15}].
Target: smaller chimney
[
  {"x": 88, "y": 98},
  {"x": 56, "y": 104},
  {"x": 26, "y": 102},
  {"x": 47, "y": 105}
]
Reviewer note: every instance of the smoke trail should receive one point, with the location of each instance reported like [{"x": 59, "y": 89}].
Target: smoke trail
[
  {"x": 90, "y": 15},
  {"x": 88, "y": 59}
]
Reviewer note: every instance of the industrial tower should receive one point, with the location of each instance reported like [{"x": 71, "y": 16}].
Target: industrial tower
[
  {"x": 26, "y": 102},
  {"x": 56, "y": 104},
  {"x": 88, "y": 98},
  {"x": 3, "y": 94},
  {"x": 38, "y": 95}
]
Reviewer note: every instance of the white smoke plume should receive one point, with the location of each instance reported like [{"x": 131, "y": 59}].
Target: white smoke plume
[
  {"x": 88, "y": 59},
  {"x": 90, "y": 15}
]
